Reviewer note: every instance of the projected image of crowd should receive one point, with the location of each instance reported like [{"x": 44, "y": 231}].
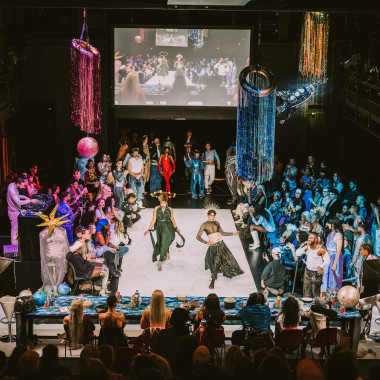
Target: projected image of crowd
[{"x": 158, "y": 80}]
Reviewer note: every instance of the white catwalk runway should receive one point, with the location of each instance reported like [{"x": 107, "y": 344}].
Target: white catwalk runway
[
  {"x": 168, "y": 80},
  {"x": 184, "y": 273}
]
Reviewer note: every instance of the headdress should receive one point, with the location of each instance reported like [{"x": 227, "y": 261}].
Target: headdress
[
  {"x": 160, "y": 194},
  {"x": 211, "y": 206}
]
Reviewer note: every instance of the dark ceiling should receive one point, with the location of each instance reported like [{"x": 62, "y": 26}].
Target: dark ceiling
[{"x": 362, "y": 6}]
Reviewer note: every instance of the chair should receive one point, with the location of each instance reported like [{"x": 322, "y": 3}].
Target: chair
[
  {"x": 112, "y": 336},
  {"x": 325, "y": 337},
  {"x": 92, "y": 341},
  {"x": 150, "y": 338},
  {"x": 291, "y": 339},
  {"x": 215, "y": 342},
  {"x": 78, "y": 279}
]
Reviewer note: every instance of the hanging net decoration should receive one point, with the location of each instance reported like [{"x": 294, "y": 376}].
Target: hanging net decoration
[
  {"x": 85, "y": 84},
  {"x": 256, "y": 124},
  {"x": 314, "y": 46}
]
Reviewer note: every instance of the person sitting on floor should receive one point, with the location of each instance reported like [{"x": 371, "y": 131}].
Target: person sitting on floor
[
  {"x": 79, "y": 327},
  {"x": 274, "y": 274}
]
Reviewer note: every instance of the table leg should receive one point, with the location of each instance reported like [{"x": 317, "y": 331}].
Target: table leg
[
  {"x": 354, "y": 331},
  {"x": 29, "y": 331},
  {"x": 21, "y": 330}
]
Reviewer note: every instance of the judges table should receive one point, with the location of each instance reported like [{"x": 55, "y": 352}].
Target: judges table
[{"x": 350, "y": 320}]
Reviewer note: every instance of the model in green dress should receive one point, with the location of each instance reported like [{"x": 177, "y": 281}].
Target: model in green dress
[{"x": 165, "y": 226}]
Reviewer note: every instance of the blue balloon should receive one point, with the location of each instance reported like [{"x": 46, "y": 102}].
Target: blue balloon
[
  {"x": 63, "y": 289},
  {"x": 39, "y": 297}
]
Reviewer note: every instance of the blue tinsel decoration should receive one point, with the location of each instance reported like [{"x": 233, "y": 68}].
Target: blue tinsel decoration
[{"x": 256, "y": 124}]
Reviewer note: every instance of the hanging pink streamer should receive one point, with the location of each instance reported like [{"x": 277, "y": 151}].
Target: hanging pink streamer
[{"x": 85, "y": 87}]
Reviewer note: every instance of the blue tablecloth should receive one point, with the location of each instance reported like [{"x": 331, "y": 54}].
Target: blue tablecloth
[{"x": 171, "y": 303}]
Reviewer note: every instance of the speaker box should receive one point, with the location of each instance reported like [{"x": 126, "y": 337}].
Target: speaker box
[
  {"x": 28, "y": 276},
  {"x": 7, "y": 277}
]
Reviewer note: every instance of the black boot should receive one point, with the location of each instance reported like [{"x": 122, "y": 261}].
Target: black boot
[{"x": 212, "y": 283}]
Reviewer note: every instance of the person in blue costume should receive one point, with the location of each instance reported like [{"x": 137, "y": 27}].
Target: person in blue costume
[
  {"x": 64, "y": 209},
  {"x": 307, "y": 184},
  {"x": 333, "y": 276},
  {"x": 196, "y": 165}
]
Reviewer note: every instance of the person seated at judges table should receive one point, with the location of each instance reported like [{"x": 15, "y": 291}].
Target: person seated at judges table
[
  {"x": 274, "y": 274},
  {"x": 84, "y": 263},
  {"x": 289, "y": 317},
  {"x": 211, "y": 312},
  {"x": 131, "y": 211},
  {"x": 256, "y": 314},
  {"x": 157, "y": 315},
  {"x": 111, "y": 319},
  {"x": 79, "y": 327}
]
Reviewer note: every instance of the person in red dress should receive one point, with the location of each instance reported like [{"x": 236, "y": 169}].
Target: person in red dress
[{"x": 166, "y": 166}]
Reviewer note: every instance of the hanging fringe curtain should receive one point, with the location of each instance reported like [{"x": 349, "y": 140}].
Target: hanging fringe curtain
[
  {"x": 143, "y": 34},
  {"x": 85, "y": 84},
  {"x": 314, "y": 46},
  {"x": 256, "y": 124}
]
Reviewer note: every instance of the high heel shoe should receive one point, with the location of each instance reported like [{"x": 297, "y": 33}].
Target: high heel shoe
[
  {"x": 159, "y": 265},
  {"x": 212, "y": 283}
]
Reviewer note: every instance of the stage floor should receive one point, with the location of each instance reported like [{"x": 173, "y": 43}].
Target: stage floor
[{"x": 184, "y": 273}]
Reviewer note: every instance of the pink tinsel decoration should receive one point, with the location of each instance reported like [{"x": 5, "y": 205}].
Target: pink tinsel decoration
[{"x": 85, "y": 87}]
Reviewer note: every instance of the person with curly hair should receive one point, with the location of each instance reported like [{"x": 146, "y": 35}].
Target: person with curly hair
[{"x": 289, "y": 318}]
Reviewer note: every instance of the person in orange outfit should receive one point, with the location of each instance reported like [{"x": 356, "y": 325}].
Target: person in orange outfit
[{"x": 166, "y": 166}]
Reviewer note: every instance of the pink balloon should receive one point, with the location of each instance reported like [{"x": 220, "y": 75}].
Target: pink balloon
[
  {"x": 87, "y": 147},
  {"x": 138, "y": 39}
]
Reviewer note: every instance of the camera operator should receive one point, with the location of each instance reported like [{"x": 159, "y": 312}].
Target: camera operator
[
  {"x": 131, "y": 211},
  {"x": 274, "y": 274}
]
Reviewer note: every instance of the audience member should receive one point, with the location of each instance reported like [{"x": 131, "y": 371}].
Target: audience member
[
  {"x": 168, "y": 345},
  {"x": 50, "y": 367},
  {"x": 29, "y": 362},
  {"x": 163, "y": 366},
  {"x": 107, "y": 358},
  {"x": 201, "y": 357},
  {"x": 233, "y": 360},
  {"x": 13, "y": 368},
  {"x": 94, "y": 369},
  {"x": 309, "y": 370},
  {"x": 275, "y": 368},
  {"x": 341, "y": 365}
]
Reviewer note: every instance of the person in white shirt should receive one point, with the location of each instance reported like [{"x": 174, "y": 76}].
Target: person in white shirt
[
  {"x": 136, "y": 170},
  {"x": 212, "y": 158},
  {"x": 317, "y": 261},
  {"x": 15, "y": 201}
]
